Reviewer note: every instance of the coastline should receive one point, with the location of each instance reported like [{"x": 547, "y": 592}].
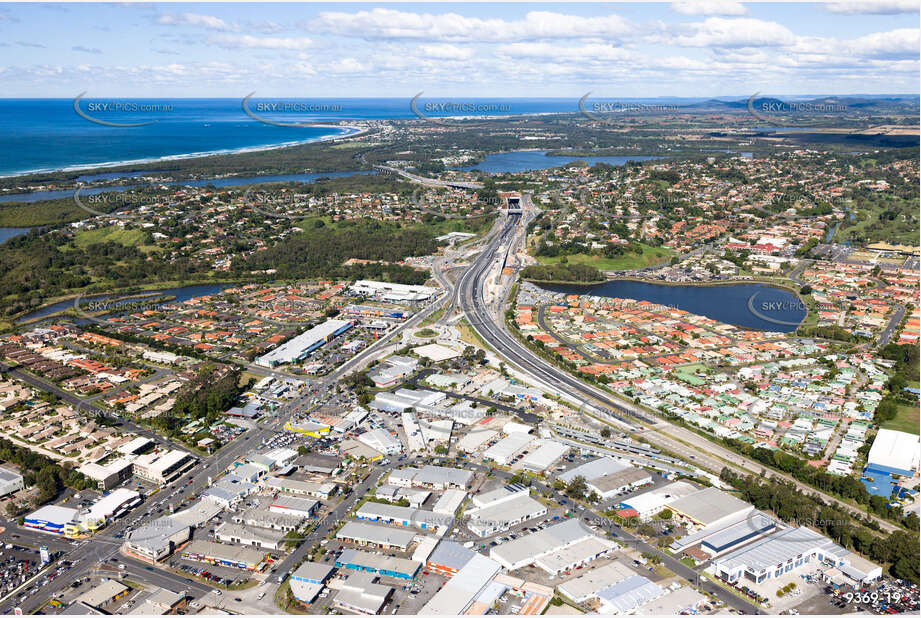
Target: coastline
[{"x": 350, "y": 131}]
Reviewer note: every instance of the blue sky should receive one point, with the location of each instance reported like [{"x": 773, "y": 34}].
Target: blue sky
[{"x": 690, "y": 48}]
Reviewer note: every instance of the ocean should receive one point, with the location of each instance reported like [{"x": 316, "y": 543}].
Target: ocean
[{"x": 41, "y": 135}]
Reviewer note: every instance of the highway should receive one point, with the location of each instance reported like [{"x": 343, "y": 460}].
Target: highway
[{"x": 488, "y": 321}]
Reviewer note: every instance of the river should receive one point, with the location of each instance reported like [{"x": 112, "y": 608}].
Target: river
[
  {"x": 229, "y": 181},
  {"x": 181, "y": 294}
]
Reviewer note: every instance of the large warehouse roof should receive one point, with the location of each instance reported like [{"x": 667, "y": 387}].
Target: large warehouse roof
[
  {"x": 528, "y": 548},
  {"x": 895, "y": 451},
  {"x": 379, "y": 535},
  {"x": 709, "y": 505},
  {"x": 461, "y": 591},
  {"x": 292, "y": 350}
]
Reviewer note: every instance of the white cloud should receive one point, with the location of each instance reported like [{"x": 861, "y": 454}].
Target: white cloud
[
  {"x": 392, "y": 24},
  {"x": 709, "y": 7},
  {"x": 745, "y": 32},
  {"x": 873, "y": 7},
  {"x": 247, "y": 41},
  {"x": 445, "y": 52},
  {"x": 195, "y": 19}
]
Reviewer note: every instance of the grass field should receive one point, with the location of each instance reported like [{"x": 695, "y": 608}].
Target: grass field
[
  {"x": 906, "y": 420},
  {"x": 649, "y": 257},
  {"x": 126, "y": 238}
]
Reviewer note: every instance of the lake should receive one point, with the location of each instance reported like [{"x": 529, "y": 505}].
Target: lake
[
  {"x": 528, "y": 160},
  {"x": 750, "y": 305}
]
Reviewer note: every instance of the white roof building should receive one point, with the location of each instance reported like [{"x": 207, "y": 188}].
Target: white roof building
[
  {"x": 503, "y": 451},
  {"x": 456, "y": 596},
  {"x": 382, "y": 441},
  {"x": 895, "y": 452},
  {"x": 547, "y": 454},
  {"x": 527, "y": 549}
]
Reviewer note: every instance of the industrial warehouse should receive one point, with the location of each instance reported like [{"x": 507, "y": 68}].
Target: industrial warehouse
[{"x": 298, "y": 348}]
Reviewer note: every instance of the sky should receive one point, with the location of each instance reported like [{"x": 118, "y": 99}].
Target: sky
[{"x": 688, "y": 48}]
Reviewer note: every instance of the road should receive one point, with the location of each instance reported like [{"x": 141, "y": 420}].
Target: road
[
  {"x": 891, "y": 326},
  {"x": 83, "y": 404},
  {"x": 488, "y": 321}
]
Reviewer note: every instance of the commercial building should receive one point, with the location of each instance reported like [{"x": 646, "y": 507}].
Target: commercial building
[
  {"x": 308, "y": 428},
  {"x": 103, "y": 511},
  {"x": 229, "y": 491},
  {"x": 593, "y": 469},
  {"x": 161, "y": 602},
  {"x": 505, "y": 450},
  {"x": 388, "y": 373},
  {"x": 587, "y": 586},
  {"x": 449, "y": 502},
  {"x": 110, "y": 474},
  {"x": 435, "y": 352},
  {"x": 717, "y": 540},
  {"x": 382, "y": 441},
  {"x": 373, "y": 535},
  {"x": 103, "y": 593},
  {"x": 610, "y": 485},
  {"x": 162, "y": 468},
  {"x": 359, "y": 593},
  {"x": 456, "y": 596},
  {"x": 392, "y": 493},
  {"x": 224, "y": 555},
  {"x": 576, "y": 555},
  {"x": 300, "y": 507},
  {"x": 320, "y": 464},
  {"x": 372, "y": 311},
  {"x": 449, "y": 557},
  {"x": 626, "y": 596},
  {"x": 246, "y": 535},
  {"x": 653, "y": 501},
  {"x": 298, "y": 348},
  {"x": 50, "y": 518},
  {"x": 784, "y": 551},
  {"x": 136, "y": 446},
  {"x": 403, "y": 516},
  {"x": 158, "y": 539},
  {"x": 302, "y": 488},
  {"x": 528, "y": 549},
  {"x": 10, "y": 482},
  {"x": 367, "y": 562},
  {"x": 308, "y": 580},
  {"x": 393, "y": 292},
  {"x": 681, "y": 602},
  {"x": 710, "y": 507},
  {"x": 282, "y": 456},
  {"x": 544, "y": 456},
  {"x": 261, "y": 517},
  {"x": 500, "y": 515},
  {"x": 432, "y": 477},
  {"x": 895, "y": 452}
]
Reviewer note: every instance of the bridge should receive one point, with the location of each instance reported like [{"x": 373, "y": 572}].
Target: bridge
[{"x": 429, "y": 182}]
